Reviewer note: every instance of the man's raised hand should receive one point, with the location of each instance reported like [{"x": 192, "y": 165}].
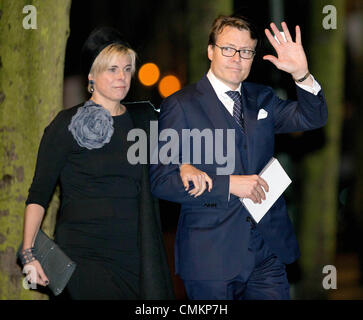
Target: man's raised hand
[{"x": 291, "y": 57}]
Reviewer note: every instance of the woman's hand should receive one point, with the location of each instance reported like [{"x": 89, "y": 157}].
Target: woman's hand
[
  {"x": 199, "y": 178},
  {"x": 35, "y": 273}
]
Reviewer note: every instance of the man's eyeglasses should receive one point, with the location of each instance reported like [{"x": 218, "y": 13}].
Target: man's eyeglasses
[{"x": 243, "y": 53}]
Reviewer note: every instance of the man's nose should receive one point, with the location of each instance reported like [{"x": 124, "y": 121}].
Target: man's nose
[{"x": 236, "y": 57}]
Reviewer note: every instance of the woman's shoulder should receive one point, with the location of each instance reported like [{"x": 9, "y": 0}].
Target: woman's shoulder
[
  {"x": 143, "y": 109},
  {"x": 63, "y": 118},
  {"x": 67, "y": 114}
]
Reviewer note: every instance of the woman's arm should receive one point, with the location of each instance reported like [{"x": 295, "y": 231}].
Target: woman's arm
[
  {"x": 52, "y": 155},
  {"x": 33, "y": 217}
]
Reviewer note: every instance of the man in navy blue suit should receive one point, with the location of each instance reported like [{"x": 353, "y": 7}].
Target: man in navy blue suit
[{"x": 220, "y": 251}]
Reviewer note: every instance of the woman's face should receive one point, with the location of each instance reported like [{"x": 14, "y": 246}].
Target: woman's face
[{"x": 113, "y": 83}]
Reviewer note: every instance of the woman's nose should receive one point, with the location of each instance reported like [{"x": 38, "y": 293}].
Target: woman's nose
[{"x": 121, "y": 75}]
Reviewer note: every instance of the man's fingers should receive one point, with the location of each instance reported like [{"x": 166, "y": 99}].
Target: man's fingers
[
  {"x": 277, "y": 33},
  {"x": 298, "y": 35},
  {"x": 260, "y": 192},
  {"x": 286, "y": 31},
  {"x": 253, "y": 198},
  {"x": 257, "y": 192},
  {"x": 263, "y": 183},
  {"x": 271, "y": 39}
]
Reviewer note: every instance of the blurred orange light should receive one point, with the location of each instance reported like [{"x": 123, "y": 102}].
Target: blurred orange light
[
  {"x": 149, "y": 74},
  {"x": 168, "y": 85}
]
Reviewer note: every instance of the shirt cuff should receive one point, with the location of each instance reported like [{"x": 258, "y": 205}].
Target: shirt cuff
[{"x": 314, "y": 89}]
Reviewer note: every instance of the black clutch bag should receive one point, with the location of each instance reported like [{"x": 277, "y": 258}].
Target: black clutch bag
[{"x": 57, "y": 266}]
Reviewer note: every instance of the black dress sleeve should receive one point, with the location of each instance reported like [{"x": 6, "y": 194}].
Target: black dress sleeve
[{"x": 54, "y": 148}]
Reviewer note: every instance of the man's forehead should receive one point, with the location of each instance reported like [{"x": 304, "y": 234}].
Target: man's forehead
[
  {"x": 234, "y": 32},
  {"x": 236, "y": 36}
]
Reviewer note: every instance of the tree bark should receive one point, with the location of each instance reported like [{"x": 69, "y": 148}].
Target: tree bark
[
  {"x": 31, "y": 89},
  {"x": 318, "y": 224}
]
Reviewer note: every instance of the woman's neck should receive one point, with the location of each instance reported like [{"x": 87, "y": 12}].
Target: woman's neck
[{"x": 114, "y": 107}]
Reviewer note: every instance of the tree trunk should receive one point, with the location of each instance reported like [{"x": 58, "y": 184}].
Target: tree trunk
[
  {"x": 317, "y": 236},
  {"x": 201, "y": 15},
  {"x": 31, "y": 89}
]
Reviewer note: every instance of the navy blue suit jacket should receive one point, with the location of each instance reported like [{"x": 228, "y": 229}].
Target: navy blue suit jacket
[{"x": 212, "y": 236}]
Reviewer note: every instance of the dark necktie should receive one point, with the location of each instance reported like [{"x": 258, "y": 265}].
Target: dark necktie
[{"x": 237, "y": 108}]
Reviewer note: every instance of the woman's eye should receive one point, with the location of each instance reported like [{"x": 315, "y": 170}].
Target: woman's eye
[
  {"x": 112, "y": 69},
  {"x": 128, "y": 69}
]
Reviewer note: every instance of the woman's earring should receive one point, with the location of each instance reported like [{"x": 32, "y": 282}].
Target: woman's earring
[{"x": 91, "y": 88}]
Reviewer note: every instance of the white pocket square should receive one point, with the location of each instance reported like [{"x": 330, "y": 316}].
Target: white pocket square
[{"x": 262, "y": 114}]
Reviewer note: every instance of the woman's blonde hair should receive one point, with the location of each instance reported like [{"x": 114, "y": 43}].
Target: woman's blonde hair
[{"x": 103, "y": 59}]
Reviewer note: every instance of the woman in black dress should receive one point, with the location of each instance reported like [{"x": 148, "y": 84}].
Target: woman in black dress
[{"x": 108, "y": 221}]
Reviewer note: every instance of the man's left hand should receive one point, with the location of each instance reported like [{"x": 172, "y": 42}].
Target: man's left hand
[{"x": 291, "y": 57}]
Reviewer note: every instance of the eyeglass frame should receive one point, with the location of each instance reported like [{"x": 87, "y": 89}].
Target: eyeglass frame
[{"x": 235, "y": 51}]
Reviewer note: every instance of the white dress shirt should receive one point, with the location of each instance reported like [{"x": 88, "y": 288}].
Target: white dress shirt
[{"x": 220, "y": 89}]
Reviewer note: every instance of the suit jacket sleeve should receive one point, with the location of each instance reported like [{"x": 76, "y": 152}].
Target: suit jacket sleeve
[
  {"x": 165, "y": 178},
  {"x": 307, "y": 113}
]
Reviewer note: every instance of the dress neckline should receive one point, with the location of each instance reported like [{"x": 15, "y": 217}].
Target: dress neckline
[{"x": 120, "y": 115}]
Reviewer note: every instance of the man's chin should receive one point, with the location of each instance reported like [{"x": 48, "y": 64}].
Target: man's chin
[{"x": 236, "y": 80}]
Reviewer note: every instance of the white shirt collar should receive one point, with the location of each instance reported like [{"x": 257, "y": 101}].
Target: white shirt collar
[{"x": 219, "y": 87}]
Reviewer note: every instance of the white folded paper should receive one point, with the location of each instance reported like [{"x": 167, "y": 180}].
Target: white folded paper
[{"x": 278, "y": 180}]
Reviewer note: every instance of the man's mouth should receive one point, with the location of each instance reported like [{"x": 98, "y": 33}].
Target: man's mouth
[{"x": 234, "y": 69}]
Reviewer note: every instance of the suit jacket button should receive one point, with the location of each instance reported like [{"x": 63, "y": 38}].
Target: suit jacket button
[{"x": 245, "y": 147}]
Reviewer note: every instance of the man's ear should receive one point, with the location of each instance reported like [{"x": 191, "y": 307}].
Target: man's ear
[{"x": 210, "y": 52}]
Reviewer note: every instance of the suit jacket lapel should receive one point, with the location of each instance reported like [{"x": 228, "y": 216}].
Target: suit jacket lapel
[
  {"x": 210, "y": 104},
  {"x": 249, "y": 99},
  {"x": 250, "y": 109},
  {"x": 214, "y": 111}
]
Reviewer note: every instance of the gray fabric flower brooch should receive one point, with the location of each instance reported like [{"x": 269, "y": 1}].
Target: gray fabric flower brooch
[{"x": 92, "y": 126}]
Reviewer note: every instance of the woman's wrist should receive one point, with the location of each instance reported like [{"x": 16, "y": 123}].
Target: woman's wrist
[{"x": 27, "y": 255}]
